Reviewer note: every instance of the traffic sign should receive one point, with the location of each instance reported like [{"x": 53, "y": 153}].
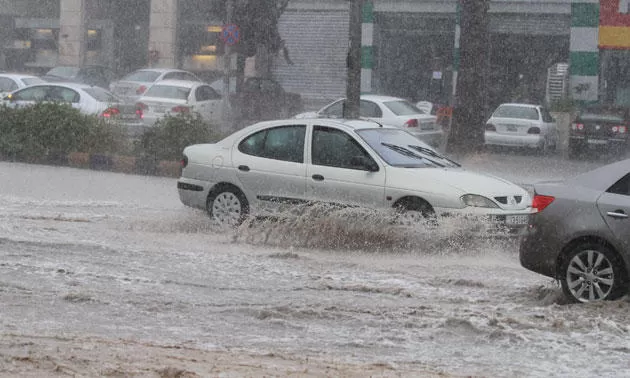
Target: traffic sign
[{"x": 231, "y": 34}]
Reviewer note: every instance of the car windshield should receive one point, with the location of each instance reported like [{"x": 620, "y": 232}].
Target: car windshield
[
  {"x": 402, "y": 108},
  {"x": 168, "y": 91},
  {"x": 32, "y": 80},
  {"x": 603, "y": 114},
  {"x": 401, "y": 149},
  {"x": 517, "y": 112},
  {"x": 143, "y": 76},
  {"x": 63, "y": 72},
  {"x": 101, "y": 95}
]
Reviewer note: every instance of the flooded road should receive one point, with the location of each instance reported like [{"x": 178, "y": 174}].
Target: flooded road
[{"x": 114, "y": 256}]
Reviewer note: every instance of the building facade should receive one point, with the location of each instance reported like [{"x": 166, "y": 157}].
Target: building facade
[{"x": 410, "y": 46}]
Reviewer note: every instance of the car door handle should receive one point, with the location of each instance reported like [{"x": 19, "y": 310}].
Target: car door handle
[
  {"x": 617, "y": 214},
  {"x": 318, "y": 177},
  {"x": 243, "y": 168}
]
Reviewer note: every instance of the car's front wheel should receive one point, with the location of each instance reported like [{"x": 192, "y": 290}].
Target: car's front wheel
[
  {"x": 410, "y": 211},
  {"x": 228, "y": 206},
  {"x": 592, "y": 272}
]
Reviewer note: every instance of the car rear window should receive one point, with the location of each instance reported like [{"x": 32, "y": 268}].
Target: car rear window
[
  {"x": 603, "y": 114},
  {"x": 168, "y": 91},
  {"x": 518, "y": 112},
  {"x": 101, "y": 95},
  {"x": 63, "y": 71},
  {"x": 144, "y": 76},
  {"x": 401, "y": 108},
  {"x": 32, "y": 80}
]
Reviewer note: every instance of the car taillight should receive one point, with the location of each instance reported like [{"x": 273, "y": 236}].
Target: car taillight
[
  {"x": 141, "y": 89},
  {"x": 184, "y": 162},
  {"x": 180, "y": 109},
  {"x": 111, "y": 112},
  {"x": 140, "y": 108},
  {"x": 577, "y": 126},
  {"x": 490, "y": 127},
  {"x": 620, "y": 129},
  {"x": 533, "y": 130},
  {"x": 412, "y": 123},
  {"x": 541, "y": 202}
]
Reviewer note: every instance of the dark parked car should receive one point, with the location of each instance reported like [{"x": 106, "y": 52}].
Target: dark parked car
[
  {"x": 603, "y": 128},
  {"x": 264, "y": 99},
  {"x": 580, "y": 233},
  {"x": 99, "y": 76}
]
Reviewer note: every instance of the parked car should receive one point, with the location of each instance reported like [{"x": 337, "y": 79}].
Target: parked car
[
  {"x": 86, "y": 98},
  {"x": 522, "y": 125},
  {"x": 13, "y": 82},
  {"x": 265, "y": 167},
  {"x": 580, "y": 234},
  {"x": 176, "y": 96},
  {"x": 603, "y": 127},
  {"x": 264, "y": 99},
  {"x": 391, "y": 111},
  {"x": 99, "y": 76},
  {"x": 135, "y": 84}
]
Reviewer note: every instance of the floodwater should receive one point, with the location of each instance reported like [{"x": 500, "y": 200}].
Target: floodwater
[{"x": 86, "y": 253}]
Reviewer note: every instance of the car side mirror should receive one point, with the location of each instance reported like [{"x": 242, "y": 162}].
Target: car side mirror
[{"x": 364, "y": 163}]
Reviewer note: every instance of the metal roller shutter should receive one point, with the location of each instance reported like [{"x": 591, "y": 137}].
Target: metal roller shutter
[{"x": 318, "y": 46}]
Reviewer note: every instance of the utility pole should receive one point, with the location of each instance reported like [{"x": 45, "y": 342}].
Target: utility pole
[
  {"x": 227, "y": 68},
  {"x": 353, "y": 89}
]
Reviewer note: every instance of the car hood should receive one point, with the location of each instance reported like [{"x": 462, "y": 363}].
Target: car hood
[{"x": 455, "y": 179}]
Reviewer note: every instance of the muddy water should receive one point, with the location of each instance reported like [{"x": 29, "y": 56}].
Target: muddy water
[{"x": 90, "y": 253}]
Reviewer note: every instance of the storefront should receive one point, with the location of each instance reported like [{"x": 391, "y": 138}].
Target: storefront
[{"x": 614, "y": 45}]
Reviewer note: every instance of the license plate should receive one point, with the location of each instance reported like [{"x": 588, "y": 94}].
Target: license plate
[
  {"x": 597, "y": 141},
  {"x": 512, "y": 129},
  {"x": 516, "y": 219},
  {"x": 159, "y": 109}
]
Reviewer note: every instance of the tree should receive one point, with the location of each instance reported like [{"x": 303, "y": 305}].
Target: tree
[
  {"x": 469, "y": 114},
  {"x": 258, "y": 21}
]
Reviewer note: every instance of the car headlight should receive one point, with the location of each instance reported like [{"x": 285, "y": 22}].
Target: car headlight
[{"x": 475, "y": 200}]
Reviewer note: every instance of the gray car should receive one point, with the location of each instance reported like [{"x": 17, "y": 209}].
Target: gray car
[{"x": 580, "y": 233}]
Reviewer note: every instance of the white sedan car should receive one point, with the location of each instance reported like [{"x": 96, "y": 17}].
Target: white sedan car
[
  {"x": 86, "y": 98},
  {"x": 135, "y": 84},
  {"x": 263, "y": 168},
  {"x": 13, "y": 82},
  {"x": 392, "y": 111},
  {"x": 522, "y": 125},
  {"x": 170, "y": 97}
]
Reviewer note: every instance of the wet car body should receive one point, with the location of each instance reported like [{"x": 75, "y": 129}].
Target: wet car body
[
  {"x": 340, "y": 163},
  {"x": 588, "y": 214},
  {"x": 132, "y": 86},
  {"x": 604, "y": 128},
  {"x": 13, "y": 82}
]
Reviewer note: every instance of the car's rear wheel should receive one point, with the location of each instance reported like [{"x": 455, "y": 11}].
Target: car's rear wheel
[
  {"x": 592, "y": 272},
  {"x": 228, "y": 206}
]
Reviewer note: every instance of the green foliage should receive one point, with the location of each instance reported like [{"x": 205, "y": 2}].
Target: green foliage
[
  {"x": 48, "y": 131},
  {"x": 170, "y": 135}
]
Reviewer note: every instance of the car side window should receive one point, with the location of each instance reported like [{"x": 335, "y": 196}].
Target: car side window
[
  {"x": 32, "y": 94},
  {"x": 279, "y": 143},
  {"x": 335, "y": 148},
  {"x": 7, "y": 85},
  {"x": 621, "y": 187},
  {"x": 171, "y": 76},
  {"x": 61, "y": 94},
  {"x": 189, "y": 77},
  {"x": 370, "y": 109},
  {"x": 335, "y": 110},
  {"x": 206, "y": 93}
]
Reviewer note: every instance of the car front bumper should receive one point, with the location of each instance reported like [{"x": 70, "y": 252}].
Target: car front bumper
[
  {"x": 491, "y": 221},
  {"x": 515, "y": 140}
]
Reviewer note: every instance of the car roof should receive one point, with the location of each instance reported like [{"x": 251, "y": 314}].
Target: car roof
[
  {"x": 161, "y": 70},
  {"x": 18, "y": 76},
  {"x": 70, "y": 85},
  {"x": 179, "y": 83},
  {"x": 603, "y": 177},
  {"x": 520, "y": 104}
]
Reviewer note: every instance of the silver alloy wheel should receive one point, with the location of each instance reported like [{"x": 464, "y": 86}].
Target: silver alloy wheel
[
  {"x": 590, "y": 276},
  {"x": 227, "y": 208}
]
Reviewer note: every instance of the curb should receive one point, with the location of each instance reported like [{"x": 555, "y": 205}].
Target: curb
[{"x": 123, "y": 164}]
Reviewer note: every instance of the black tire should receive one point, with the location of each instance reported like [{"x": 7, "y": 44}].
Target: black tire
[
  {"x": 227, "y": 205},
  {"x": 598, "y": 277},
  {"x": 406, "y": 206}
]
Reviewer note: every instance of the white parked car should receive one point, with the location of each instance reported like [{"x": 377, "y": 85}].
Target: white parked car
[
  {"x": 86, "y": 98},
  {"x": 169, "y": 97},
  {"x": 263, "y": 168},
  {"x": 522, "y": 125},
  {"x": 392, "y": 111},
  {"x": 135, "y": 84},
  {"x": 13, "y": 82}
]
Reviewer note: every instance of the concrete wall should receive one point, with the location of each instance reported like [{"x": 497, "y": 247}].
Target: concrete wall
[
  {"x": 72, "y": 32},
  {"x": 163, "y": 33}
]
